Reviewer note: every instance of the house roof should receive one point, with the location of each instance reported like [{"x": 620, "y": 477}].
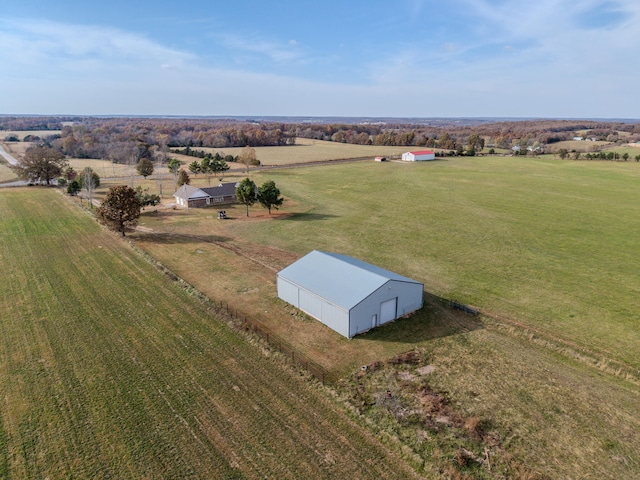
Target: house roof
[
  {"x": 222, "y": 190},
  {"x": 187, "y": 191},
  {"x": 423, "y": 152},
  {"x": 343, "y": 280}
]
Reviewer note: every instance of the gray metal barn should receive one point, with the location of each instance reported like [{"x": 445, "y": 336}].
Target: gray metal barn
[{"x": 348, "y": 295}]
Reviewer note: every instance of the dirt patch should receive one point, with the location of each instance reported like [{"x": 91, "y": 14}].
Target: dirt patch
[{"x": 429, "y": 421}]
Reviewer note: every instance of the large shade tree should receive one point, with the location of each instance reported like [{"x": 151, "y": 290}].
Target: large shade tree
[
  {"x": 246, "y": 193},
  {"x": 41, "y": 164},
  {"x": 120, "y": 208},
  {"x": 269, "y": 196}
]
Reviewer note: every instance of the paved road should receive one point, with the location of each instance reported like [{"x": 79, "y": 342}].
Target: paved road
[{"x": 8, "y": 157}]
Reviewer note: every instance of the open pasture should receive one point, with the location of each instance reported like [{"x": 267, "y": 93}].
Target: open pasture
[
  {"x": 110, "y": 370},
  {"x": 585, "y": 146},
  {"x": 105, "y": 168},
  {"x": 23, "y": 133},
  {"x": 547, "y": 242},
  {"x": 544, "y": 242},
  {"x": 550, "y": 243},
  {"x": 16, "y": 149},
  {"x": 308, "y": 150},
  {"x": 6, "y": 174}
]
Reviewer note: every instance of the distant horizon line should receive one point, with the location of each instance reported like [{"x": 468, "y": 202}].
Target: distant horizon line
[{"x": 324, "y": 118}]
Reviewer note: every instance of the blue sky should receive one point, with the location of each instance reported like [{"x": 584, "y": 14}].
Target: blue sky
[{"x": 402, "y": 58}]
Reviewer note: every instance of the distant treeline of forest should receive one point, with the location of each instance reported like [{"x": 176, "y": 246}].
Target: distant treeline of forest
[{"x": 126, "y": 140}]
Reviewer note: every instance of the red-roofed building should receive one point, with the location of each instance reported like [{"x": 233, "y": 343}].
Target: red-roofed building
[{"x": 419, "y": 156}]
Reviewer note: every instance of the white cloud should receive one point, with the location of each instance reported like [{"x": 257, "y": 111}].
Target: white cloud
[
  {"x": 41, "y": 42},
  {"x": 513, "y": 61},
  {"x": 278, "y": 52}
]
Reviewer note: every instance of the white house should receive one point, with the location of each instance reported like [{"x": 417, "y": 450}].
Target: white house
[
  {"x": 419, "y": 156},
  {"x": 348, "y": 295}
]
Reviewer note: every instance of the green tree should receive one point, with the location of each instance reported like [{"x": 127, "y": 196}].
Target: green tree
[
  {"x": 174, "y": 168},
  {"x": 246, "y": 193},
  {"x": 183, "y": 178},
  {"x": 218, "y": 164},
  {"x": 41, "y": 164},
  {"x": 475, "y": 142},
  {"x": 269, "y": 196},
  {"x": 146, "y": 198},
  {"x": 120, "y": 208},
  {"x": 206, "y": 166},
  {"x": 563, "y": 152},
  {"x": 195, "y": 168},
  {"x": 74, "y": 187},
  {"x": 145, "y": 167},
  {"x": 625, "y": 156}
]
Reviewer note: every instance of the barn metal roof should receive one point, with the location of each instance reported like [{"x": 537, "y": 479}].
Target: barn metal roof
[
  {"x": 422, "y": 152},
  {"x": 343, "y": 280}
]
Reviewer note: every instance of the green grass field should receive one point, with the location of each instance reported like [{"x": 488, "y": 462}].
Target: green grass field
[
  {"x": 110, "y": 370},
  {"x": 546, "y": 242},
  {"x": 542, "y": 242}
]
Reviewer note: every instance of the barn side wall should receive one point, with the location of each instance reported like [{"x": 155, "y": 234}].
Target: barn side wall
[{"x": 315, "y": 306}]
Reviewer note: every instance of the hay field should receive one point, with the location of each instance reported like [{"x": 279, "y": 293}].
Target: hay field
[
  {"x": 23, "y": 133},
  {"x": 578, "y": 145},
  {"x": 104, "y": 168},
  {"x": 110, "y": 370},
  {"x": 6, "y": 174},
  {"x": 307, "y": 150}
]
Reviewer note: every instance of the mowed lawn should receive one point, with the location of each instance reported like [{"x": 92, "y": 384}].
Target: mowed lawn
[
  {"x": 110, "y": 370},
  {"x": 550, "y": 243}
]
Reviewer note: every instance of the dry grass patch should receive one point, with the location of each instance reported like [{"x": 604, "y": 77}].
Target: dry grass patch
[
  {"x": 104, "y": 168},
  {"x": 307, "y": 150},
  {"x": 23, "y": 133}
]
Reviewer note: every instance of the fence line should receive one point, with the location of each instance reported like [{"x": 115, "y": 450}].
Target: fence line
[
  {"x": 273, "y": 339},
  {"x": 290, "y": 352}
]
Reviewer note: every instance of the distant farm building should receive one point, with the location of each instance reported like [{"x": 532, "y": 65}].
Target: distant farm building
[
  {"x": 419, "y": 156},
  {"x": 348, "y": 295},
  {"x": 189, "y": 197}
]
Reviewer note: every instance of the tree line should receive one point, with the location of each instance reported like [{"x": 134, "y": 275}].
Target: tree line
[{"x": 128, "y": 140}]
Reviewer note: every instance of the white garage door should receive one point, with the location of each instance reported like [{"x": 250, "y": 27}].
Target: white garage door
[{"x": 388, "y": 310}]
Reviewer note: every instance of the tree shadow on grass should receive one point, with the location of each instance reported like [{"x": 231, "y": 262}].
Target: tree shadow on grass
[
  {"x": 308, "y": 217},
  {"x": 436, "y": 319},
  {"x": 178, "y": 239}
]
